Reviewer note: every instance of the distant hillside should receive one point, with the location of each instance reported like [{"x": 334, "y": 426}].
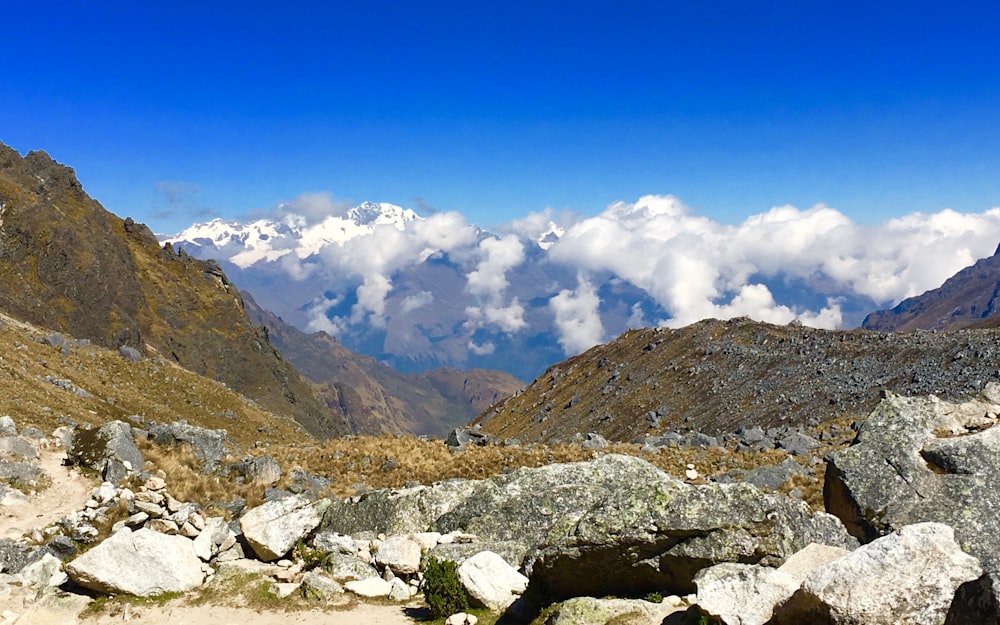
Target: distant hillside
[
  {"x": 969, "y": 298},
  {"x": 714, "y": 376},
  {"x": 375, "y": 397},
  {"x": 68, "y": 264}
]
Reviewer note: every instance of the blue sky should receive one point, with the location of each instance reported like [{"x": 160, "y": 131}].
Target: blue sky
[{"x": 175, "y": 112}]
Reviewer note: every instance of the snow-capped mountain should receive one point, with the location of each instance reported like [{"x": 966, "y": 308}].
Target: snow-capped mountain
[
  {"x": 421, "y": 292},
  {"x": 267, "y": 240}
]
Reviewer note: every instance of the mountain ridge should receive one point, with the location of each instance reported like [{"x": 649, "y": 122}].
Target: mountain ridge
[{"x": 68, "y": 264}]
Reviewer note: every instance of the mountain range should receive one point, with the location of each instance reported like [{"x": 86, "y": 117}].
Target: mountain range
[
  {"x": 422, "y": 292},
  {"x": 68, "y": 265}
]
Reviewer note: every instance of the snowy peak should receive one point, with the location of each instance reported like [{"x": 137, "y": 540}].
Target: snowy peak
[
  {"x": 380, "y": 213},
  {"x": 245, "y": 244}
]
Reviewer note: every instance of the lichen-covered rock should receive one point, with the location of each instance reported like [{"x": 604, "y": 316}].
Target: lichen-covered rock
[
  {"x": 922, "y": 459},
  {"x": 592, "y": 611},
  {"x": 273, "y": 528},
  {"x": 346, "y": 568},
  {"x": 390, "y": 512},
  {"x": 909, "y": 577},
  {"x": 143, "y": 563}
]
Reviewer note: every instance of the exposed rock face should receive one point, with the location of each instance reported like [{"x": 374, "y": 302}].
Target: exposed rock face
[
  {"x": 69, "y": 265},
  {"x": 273, "y": 528},
  {"x": 399, "y": 553},
  {"x": 652, "y": 381},
  {"x": 616, "y": 525},
  {"x": 919, "y": 459},
  {"x": 143, "y": 563},
  {"x": 908, "y": 577}
]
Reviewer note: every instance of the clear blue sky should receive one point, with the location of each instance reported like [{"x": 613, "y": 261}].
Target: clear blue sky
[{"x": 175, "y": 111}]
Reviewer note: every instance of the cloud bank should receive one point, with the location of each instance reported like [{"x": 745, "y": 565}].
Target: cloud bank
[{"x": 553, "y": 272}]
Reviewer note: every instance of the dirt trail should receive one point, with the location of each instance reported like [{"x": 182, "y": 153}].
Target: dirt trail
[
  {"x": 68, "y": 492},
  {"x": 175, "y": 613}
]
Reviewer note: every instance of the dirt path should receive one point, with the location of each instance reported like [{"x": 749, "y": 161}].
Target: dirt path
[
  {"x": 175, "y": 613},
  {"x": 68, "y": 492}
]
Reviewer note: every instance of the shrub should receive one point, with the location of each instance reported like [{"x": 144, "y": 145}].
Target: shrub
[{"x": 443, "y": 590}]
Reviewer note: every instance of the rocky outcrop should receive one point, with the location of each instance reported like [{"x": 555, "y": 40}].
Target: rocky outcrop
[
  {"x": 110, "y": 450},
  {"x": 616, "y": 525},
  {"x": 207, "y": 445},
  {"x": 143, "y": 563}
]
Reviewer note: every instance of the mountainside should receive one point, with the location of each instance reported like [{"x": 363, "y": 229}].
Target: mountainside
[
  {"x": 376, "y": 398},
  {"x": 69, "y": 265},
  {"x": 715, "y": 376},
  {"x": 969, "y": 298}
]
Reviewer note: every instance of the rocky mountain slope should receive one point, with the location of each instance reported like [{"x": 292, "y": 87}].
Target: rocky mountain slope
[
  {"x": 970, "y": 298},
  {"x": 376, "y": 398},
  {"x": 69, "y": 265},
  {"x": 716, "y": 376}
]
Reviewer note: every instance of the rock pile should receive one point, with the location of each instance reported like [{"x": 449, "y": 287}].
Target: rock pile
[{"x": 566, "y": 533}]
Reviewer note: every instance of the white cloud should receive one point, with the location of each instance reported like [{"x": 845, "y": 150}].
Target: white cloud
[
  {"x": 696, "y": 268},
  {"x": 488, "y": 282},
  {"x": 311, "y": 208},
  {"x": 578, "y": 322},
  {"x": 485, "y": 349}
]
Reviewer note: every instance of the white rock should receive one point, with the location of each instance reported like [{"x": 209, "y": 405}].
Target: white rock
[
  {"x": 273, "y": 528},
  {"x": 399, "y": 553},
  {"x": 400, "y": 591},
  {"x": 426, "y": 540},
  {"x": 214, "y": 539},
  {"x": 371, "y": 587},
  {"x": 908, "y": 577},
  {"x": 142, "y": 563},
  {"x": 335, "y": 543},
  {"x": 743, "y": 594},
  {"x": 282, "y": 590},
  {"x": 490, "y": 580},
  {"x": 44, "y": 572}
]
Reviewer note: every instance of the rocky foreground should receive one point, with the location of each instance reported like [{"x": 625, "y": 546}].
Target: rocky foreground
[{"x": 909, "y": 536}]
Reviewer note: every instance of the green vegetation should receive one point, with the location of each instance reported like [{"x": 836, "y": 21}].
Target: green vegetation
[{"x": 442, "y": 589}]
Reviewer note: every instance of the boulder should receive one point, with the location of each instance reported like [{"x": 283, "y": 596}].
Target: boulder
[
  {"x": 490, "y": 581},
  {"x": 319, "y": 586},
  {"x": 208, "y": 445},
  {"x": 618, "y": 525},
  {"x": 143, "y": 563},
  {"x": 917, "y": 460},
  {"x": 592, "y": 611},
  {"x": 346, "y": 568},
  {"x": 387, "y": 511},
  {"x": 399, "y": 553},
  {"x": 214, "y": 539},
  {"x": 909, "y": 577},
  {"x": 372, "y": 587},
  {"x": 743, "y": 594},
  {"x": 273, "y": 528},
  {"x": 46, "y": 571},
  {"x": 110, "y": 444}
]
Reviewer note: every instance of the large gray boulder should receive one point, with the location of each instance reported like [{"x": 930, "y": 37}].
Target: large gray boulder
[
  {"x": 387, "y": 511},
  {"x": 743, "y": 594},
  {"x": 109, "y": 449},
  {"x": 207, "y": 445},
  {"x": 273, "y": 528},
  {"x": 909, "y": 577},
  {"x": 594, "y": 611},
  {"x": 614, "y": 525},
  {"x": 399, "y": 553},
  {"x": 143, "y": 563},
  {"x": 921, "y": 459}
]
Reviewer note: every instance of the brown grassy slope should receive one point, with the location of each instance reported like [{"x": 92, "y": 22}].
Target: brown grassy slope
[
  {"x": 714, "y": 375},
  {"x": 115, "y": 388},
  {"x": 376, "y": 398},
  {"x": 68, "y": 264}
]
